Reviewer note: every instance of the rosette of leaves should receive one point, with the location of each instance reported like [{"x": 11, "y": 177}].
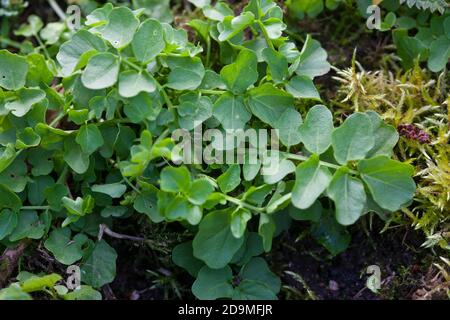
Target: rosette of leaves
[{"x": 89, "y": 145}]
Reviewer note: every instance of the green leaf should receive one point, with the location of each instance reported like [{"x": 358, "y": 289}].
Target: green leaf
[
  {"x": 39, "y": 71},
  {"x": 193, "y": 110},
  {"x": 353, "y": 139},
  {"x": 213, "y": 284},
  {"x": 28, "y": 226},
  {"x": 30, "y": 29},
  {"x": 84, "y": 293},
  {"x": 121, "y": 26},
  {"x": 277, "y": 63},
  {"x": 239, "y": 219},
  {"x": 78, "y": 208},
  {"x": 14, "y": 292},
  {"x": 302, "y": 87},
  {"x": 348, "y": 195},
  {"x": 183, "y": 256},
  {"x": 230, "y": 179},
  {"x": 330, "y": 234},
  {"x": 114, "y": 190},
  {"x": 13, "y": 70},
  {"x": 214, "y": 243},
  {"x": 313, "y": 213},
  {"x": 89, "y": 138},
  {"x": 311, "y": 179},
  {"x": 269, "y": 103},
  {"x": 25, "y": 100},
  {"x": 8, "y": 222},
  {"x": 66, "y": 249},
  {"x": 36, "y": 189},
  {"x": 389, "y": 181},
  {"x": 75, "y": 157},
  {"x": 131, "y": 83},
  {"x": 313, "y": 60},
  {"x": 146, "y": 203},
  {"x": 258, "y": 282},
  {"x": 71, "y": 51},
  {"x": 231, "y": 26},
  {"x": 199, "y": 191},
  {"x": 386, "y": 136},
  {"x": 181, "y": 209},
  {"x": 7, "y": 156},
  {"x": 288, "y": 126},
  {"x": 175, "y": 179},
  {"x": 242, "y": 73},
  {"x": 27, "y": 138},
  {"x": 99, "y": 265},
  {"x": 231, "y": 111},
  {"x": 439, "y": 54},
  {"x": 266, "y": 230},
  {"x": 148, "y": 41},
  {"x": 187, "y": 73},
  {"x": 102, "y": 71},
  {"x": 35, "y": 283},
  {"x": 317, "y": 129},
  {"x": 9, "y": 200}
]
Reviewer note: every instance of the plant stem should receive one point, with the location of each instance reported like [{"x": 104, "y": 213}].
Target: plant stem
[
  {"x": 59, "y": 12},
  {"x": 205, "y": 91},
  {"x": 323, "y": 163},
  {"x": 265, "y": 34},
  {"x": 35, "y": 208},
  {"x": 10, "y": 43},
  {"x": 243, "y": 204}
]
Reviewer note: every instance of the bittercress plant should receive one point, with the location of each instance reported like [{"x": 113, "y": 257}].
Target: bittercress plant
[{"x": 89, "y": 143}]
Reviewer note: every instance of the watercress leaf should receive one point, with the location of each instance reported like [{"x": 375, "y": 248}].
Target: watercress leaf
[
  {"x": 275, "y": 168},
  {"x": 38, "y": 72},
  {"x": 8, "y": 222},
  {"x": 102, "y": 71},
  {"x": 200, "y": 3},
  {"x": 89, "y": 138},
  {"x": 266, "y": 230},
  {"x": 99, "y": 265},
  {"x": 213, "y": 284},
  {"x": 199, "y": 192},
  {"x": 28, "y": 226},
  {"x": 146, "y": 203},
  {"x": 148, "y": 41},
  {"x": 353, "y": 139},
  {"x": 242, "y": 73},
  {"x": 121, "y": 26},
  {"x": 231, "y": 111},
  {"x": 269, "y": 103},
  {"x": 258, "y": 282},
  {"x": 311, "y": 179},
  {"x": 14, "y": 292},
  {"x": 77, "y": 160},
  {"x": 183, "y": 256},
  {"x": 186, "y": 73},
  {"x": 317, "y": 129},
  {"x": 193, "y": 110},
  {"x": 143, "y": 106},
  {"x": 217, "y": 12},
  {"x": 83, "y": 293},
  {"x": 288, "y": 126},
  {"x": 348, "y": 195},
  {"x": 175, "y": 179},
  {"x": 7, "y": 156},
  {"x": 25, "y": 100},
  {"x": 231, "y": 26},
  {"x": 9, "y": 200},
  {"x": 131, "y": 83},
  {"x": 330, "y": 234},
  {"x": 389, "y": 181},
  {"x": 439, "y": 54},
  {"x": 27, "y": 138},
  {"x": 13, "y": 70},
  {"x": 54, "y": 195},
  {"x": 239, "y": 219},
  {"x": 114, "y": 190},
  {"x": 313, "y": 213},
  {"x": 230, "y": 179},
  {"x": 277, "y": 63},
  {"x": 71, "y": 51},
  {"x": 214, "y": 243},
  {"x": 34, "y": 283},
  {"x": 36, "y": 189},
  {"x": 313, "y": 60},
  {"x": 386, "y": 136},
  {"x": 66, "y": 249},
  {"x": 302, "y": 87}
]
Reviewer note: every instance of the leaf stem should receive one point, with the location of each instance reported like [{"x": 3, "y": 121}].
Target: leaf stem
[
  {"x": 206, "y": 91},
  {"x": 243, "y": 204},
  {"x": 323, "y": 163},
  {"x": 265, "y": 34},
  {"x": 35, "y": 208}
]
